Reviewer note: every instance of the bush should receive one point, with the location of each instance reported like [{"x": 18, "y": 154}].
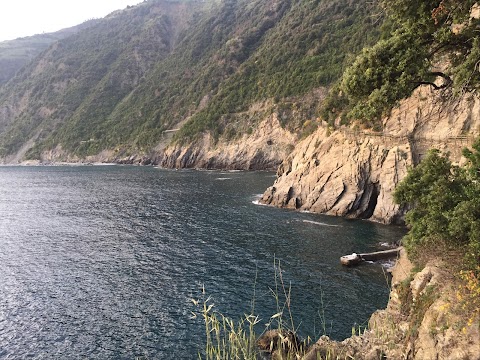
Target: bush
[{"x": 445, "y": 204}]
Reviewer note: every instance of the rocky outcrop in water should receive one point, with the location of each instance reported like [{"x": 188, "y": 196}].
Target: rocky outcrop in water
[{"x": 353, "y": 173}]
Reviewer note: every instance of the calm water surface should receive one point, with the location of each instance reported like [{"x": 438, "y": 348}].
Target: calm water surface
[{"x": 101, "y": 262}]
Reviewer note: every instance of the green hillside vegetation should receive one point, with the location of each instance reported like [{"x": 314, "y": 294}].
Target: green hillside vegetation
[
  {"x": 445, "y": 206},
  {"x": 14, "y": 54},
  {"x": 163, "y": 64},
  {"x": 306, "y": 50},
  {"x": 432, "y": 43},
  {"x": 78, "y": 81}
]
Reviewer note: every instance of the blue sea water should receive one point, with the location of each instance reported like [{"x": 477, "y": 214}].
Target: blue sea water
[{"x": 101, "y": 262}]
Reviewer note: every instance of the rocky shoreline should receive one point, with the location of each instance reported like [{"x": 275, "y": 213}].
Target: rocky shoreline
[
  {"x": 346, "y": 171},
  {"x": 424, "y": 320},
  {"x": 262, "y": 149},
  {"x": 420, "y": 322},
  {"x": 352, "y": 172}
]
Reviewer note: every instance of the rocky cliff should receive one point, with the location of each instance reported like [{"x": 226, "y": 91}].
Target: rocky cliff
[
  {"x": 352, "y": 172},
  {"x": 424, "y": 320},
  {"x": 262, "y": 148}
]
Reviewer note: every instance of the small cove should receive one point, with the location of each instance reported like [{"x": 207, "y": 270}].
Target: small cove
[{"x": 101, "y": 262}]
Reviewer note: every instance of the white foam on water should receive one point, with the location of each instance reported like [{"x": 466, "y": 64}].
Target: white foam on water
[
  {"x": 257, "y": 202},
  {"x": 319, "y": 223},
  {"x": 257, "y": 198},
  {"x": 388, "y": 264}
]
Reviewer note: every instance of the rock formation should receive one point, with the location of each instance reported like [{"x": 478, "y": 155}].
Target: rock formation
[
  {"x": 352, "y": 173},
  {"x": 264, "y": 149},
  {"x": 421, "y": 322}
]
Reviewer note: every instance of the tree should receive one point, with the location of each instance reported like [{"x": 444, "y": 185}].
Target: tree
[
  {"x": 445, "y": 204},
  {"x": 425, "y": 33},
  {"x": 473, "y": 158},
  {"x": 385, "y": 73}
]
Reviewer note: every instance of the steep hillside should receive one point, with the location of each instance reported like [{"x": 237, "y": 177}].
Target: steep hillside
[
  {"x": 113, "y": 91},
  {"x": 415, "y": 89},
  {"x": 80, "y": 80},
  {"x": 15, "y": 54}
]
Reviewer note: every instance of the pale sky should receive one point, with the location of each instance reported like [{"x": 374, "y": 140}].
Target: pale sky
[{"x": 19, "y": 18}]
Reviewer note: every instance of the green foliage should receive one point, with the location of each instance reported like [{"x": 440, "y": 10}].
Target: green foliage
[
  {"x": 383, "y": 74},
  {"x": 82, "y": 79},
  {"x": 417, "y": 36},
  {"x": 14, "y": 54},
  {"x": 473, "y": 157},
  {"x": 124, "y": 81},
  {"x": 306, "y": 49},
  {"x": 445, "y": 204}
]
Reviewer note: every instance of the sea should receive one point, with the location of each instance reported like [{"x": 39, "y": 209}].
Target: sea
[{"x": 115, "y": 262}]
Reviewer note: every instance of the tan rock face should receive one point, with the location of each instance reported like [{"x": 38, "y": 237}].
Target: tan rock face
[
  {"x": 264, "y": 149},
  {"x": 354, "y": 173},
  {"x": 338, "y": 175},
  {"x": 434, "y": 327}
]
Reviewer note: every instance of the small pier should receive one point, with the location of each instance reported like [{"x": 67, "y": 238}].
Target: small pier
[{"x": 355, "y": 259}]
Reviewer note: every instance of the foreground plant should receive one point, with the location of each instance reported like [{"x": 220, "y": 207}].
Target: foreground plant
[{"x": 229, "y": 339}]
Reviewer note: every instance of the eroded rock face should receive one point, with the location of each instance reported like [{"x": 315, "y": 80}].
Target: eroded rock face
[
  {"x": 338, "y": 175},
  {"x": 354, "y": 173},
  {"x": 264, "y": 149},
  {"x": 427, "y": 318}
]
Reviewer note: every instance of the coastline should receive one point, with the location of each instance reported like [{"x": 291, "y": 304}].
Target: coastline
[{"x": 420, "y": 322}]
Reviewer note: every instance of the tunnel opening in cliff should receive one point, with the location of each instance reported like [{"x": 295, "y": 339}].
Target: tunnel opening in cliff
[{"x": 372, "y": 201}]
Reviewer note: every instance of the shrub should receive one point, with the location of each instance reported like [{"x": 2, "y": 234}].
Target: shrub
[{"x": 445, "y": 204}]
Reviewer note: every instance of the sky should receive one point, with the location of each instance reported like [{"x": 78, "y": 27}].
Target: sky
[{"x": 19, "y": 18}]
